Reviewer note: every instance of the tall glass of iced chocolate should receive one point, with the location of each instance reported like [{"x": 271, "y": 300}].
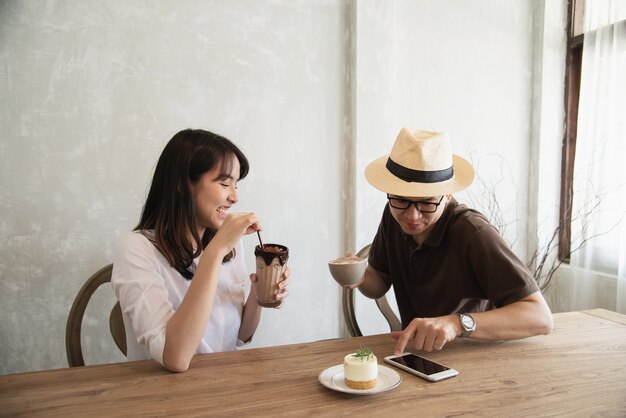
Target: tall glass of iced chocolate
[{"x": 270, "y": 264}]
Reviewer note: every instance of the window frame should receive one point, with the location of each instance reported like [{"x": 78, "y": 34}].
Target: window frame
[{"x": 575, "y": 40}]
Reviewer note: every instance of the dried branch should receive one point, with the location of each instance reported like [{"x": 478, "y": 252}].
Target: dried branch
[
  {"x": 486, "y": 201},
  {"x": 590, "y": 208},
  {"x": 543, "y": 263}
]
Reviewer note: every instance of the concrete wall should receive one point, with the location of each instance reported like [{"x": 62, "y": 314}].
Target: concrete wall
[
  {"x": 312, "y": 91},
  {"x": 90, "y": 93}
]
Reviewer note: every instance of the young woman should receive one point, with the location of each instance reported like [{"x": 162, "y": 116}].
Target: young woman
[{"x": 180, "y": 275}]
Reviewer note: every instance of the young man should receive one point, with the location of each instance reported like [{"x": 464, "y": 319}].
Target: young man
[{"x": 453, "y": 274}]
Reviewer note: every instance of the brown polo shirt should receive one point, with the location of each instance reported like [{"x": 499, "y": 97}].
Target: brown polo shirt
[{"x": 463, "y": 266}]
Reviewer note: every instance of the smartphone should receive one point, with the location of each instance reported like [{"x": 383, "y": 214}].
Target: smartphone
[{"x": 419, "y": 366}]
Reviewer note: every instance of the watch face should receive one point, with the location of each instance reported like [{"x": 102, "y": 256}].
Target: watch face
[{"x": 467, "y": 321}]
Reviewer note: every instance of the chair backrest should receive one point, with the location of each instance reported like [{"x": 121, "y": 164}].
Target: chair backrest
[
  {"x": 382, "y": 303},
  {"x": 75, "y": 320}
]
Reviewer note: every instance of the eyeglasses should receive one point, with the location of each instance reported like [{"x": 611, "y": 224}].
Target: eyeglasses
[{"x": 422, "y": 206}]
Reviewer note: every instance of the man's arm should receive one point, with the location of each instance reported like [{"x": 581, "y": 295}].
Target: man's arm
[
  {"x": 524, "y": 318},
  {"x": 527, "y": 317},
  {"x": 374, "y": 283}
]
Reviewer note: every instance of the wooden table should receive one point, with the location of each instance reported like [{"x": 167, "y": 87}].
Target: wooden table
[{"x": 578, "y": 370}]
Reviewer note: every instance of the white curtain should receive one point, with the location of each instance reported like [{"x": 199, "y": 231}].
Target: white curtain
[{"x": 599, "y": 205}]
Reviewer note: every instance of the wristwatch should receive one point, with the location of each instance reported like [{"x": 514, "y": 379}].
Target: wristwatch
[{"x": 468, "y": 323}]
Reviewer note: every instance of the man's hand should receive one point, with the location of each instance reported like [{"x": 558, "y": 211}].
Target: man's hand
[{"x": 428, "y": 334}]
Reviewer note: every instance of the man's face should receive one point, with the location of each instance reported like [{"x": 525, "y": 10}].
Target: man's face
[{"x": 417, "y": 223}]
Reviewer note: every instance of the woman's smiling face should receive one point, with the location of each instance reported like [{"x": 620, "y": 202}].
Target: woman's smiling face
[{"x": 214, "y": 194}]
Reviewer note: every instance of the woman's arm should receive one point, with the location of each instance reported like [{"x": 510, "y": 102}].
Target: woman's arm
[
  {"x": 251, "y": 314},
  {"x": 188, "y": 324},
  {"x": 252, "y": 311}
]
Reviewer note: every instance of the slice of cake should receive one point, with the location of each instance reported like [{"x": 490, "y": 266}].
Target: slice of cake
[{"x": 360, "y": 369}]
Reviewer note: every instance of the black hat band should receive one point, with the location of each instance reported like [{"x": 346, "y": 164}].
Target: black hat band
[{"x": 418, "y": 176}]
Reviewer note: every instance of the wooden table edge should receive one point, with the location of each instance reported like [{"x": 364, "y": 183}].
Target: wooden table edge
[{"x": 606, "y": 314}]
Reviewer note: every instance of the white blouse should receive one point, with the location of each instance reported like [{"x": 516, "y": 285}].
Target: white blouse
[{"x": 150, "y": 291}]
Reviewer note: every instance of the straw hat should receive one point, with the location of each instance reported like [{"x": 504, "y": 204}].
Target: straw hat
[{"x": 421, "y": 164}]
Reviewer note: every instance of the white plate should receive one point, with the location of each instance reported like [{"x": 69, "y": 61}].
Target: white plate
[{"x": 333, "y": 379}]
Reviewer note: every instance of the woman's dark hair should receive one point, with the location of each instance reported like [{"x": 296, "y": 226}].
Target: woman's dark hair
[{"x": 169, "y": 209}]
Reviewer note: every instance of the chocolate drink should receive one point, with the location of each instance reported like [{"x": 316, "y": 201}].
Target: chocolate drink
[{"x": 270, "y": 264}]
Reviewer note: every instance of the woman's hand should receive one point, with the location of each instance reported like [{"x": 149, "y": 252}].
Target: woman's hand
[
  {"x": 283, "y": 292},
  {"x": 234, "y": 227}
]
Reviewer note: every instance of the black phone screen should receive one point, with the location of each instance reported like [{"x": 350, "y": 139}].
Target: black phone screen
[{"x": 420, "y": 364}]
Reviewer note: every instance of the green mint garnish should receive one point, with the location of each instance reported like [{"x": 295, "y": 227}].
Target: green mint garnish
[{"x": 363, "y": 354}]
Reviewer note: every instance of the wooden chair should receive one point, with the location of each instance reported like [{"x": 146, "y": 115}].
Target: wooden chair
[
  {"x": 382, "y": 303},
  {"x": 75, "y": 320}
]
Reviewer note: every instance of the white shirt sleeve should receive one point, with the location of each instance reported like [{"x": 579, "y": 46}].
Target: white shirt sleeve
[{"x": 140, "y": 287}]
